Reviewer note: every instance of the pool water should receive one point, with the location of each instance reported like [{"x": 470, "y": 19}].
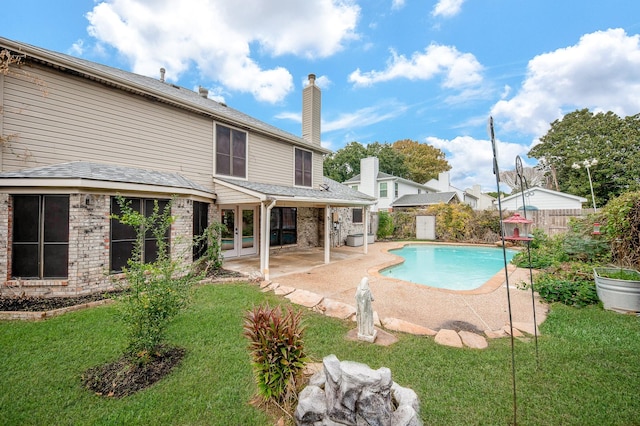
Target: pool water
[{"x": 450, "y": 267}]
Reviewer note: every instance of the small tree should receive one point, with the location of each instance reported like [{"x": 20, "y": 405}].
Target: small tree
[
  {"x": 212, "y": 257},
  {"x": 157, "y": 291}
]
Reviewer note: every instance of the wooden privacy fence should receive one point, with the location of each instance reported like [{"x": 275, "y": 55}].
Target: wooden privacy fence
[{"x": 552, "y": 222}]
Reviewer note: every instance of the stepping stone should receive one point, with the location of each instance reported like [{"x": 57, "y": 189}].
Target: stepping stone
[
  {"x": 526, "y": 327},
  {"x": 495, "y": 334},
  {"x": 305, "y": 298},
  {"x": 270, "y": 287},
  {"x": 396, "y": 324},
  {"x": 335, "y": 309},
  {"x": 283, "y": 290},
  {"x": 448, "y": 338},
  {"x": 516, "y": 332},
  {"x": 473, "y": 340},
  {"x": 264, "y": 284}
]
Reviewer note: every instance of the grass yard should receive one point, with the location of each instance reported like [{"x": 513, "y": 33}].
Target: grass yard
[{"x": 588, "y": 371}]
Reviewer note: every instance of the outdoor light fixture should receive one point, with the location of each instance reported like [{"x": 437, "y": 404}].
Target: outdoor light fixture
[{"x": 587, "y": 164}]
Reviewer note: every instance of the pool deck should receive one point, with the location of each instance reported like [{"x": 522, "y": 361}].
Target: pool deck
[{"x": 480, "y": 310}]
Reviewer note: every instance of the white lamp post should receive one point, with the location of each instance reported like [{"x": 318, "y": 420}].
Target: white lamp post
[{"x": 587, "y": 164}]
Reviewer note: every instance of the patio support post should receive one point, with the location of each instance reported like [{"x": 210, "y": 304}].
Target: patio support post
[
  {"x": 265, "y": 241},
  {"x": 327, "y": 234}
]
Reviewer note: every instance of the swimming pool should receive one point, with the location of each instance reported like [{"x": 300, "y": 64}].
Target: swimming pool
[{"x": 450, "y": 267}]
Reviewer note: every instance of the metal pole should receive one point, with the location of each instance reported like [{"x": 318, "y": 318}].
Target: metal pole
[{"x": 593, "y": 198}]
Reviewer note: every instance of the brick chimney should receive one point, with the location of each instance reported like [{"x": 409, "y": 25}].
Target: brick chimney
[{"x": 311, "y": 105}]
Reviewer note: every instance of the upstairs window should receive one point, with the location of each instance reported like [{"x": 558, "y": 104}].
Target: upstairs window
[
  {"x": 40, "y": 248},
  {"x": 231, "y": 152},
  {"x": 383, "y": 190},
  {"x": 395, "y": 189},
  {"x": 303, "y": 167}
]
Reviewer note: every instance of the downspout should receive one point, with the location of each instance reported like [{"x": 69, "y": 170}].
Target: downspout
[{"x": 266, "y": 241}]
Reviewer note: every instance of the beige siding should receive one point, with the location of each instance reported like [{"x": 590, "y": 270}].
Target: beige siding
[
  {"x": 229, "y": 196},
  {"x": 75, "y": 119},
  {"x": 270, "y": 161},
  {"x": 273, "y": 162}
]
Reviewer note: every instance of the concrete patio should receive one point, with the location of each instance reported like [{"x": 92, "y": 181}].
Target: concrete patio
[{"x": 482, "y": 311}]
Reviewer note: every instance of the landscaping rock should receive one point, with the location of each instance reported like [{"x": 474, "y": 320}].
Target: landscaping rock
[
  {"x": 526, "y": 327},
  {"x": 448, "y": 338},
  {"x": 516, "y": 332},
  {"x": 473, "y": 340},
  {"x": 396, "y": 324},
  {"x": 335, "y": 309},
  {"x": 304, "y": 298},
  {"x": 283, "y": 290},
  {"x": 353, "y": 395}
]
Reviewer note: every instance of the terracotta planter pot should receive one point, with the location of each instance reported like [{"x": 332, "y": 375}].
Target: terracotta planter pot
[{"x": 615, "y": 294}]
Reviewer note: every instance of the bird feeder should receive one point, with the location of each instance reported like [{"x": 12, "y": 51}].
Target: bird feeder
[{"x": 517, "y": 228}]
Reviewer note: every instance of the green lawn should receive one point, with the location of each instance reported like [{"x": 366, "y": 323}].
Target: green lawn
[{"x": 588, "y": 371}]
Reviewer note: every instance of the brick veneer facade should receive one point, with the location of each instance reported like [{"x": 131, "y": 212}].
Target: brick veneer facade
[{"x": 89, "y": 243}]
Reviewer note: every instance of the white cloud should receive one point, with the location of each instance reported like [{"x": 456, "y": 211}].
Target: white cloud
[
  {"x": 217, "y": 36},
  {"x": 447, "y": 8},
  {"x": 471, "y": 159},
  {"x": 600, "y": 72},
  {"x": 77, "y": 48},
  {"x": 397, "y": 4},
  {"x": 459, "y": 69},
  {"x": 365, "y": 117}
]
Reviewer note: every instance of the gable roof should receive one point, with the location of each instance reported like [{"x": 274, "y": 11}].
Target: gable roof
[
  {"x": 105, "y": 176},
  {"x": 546, "y": 191},
  {"x": 332, "y": 192},
  {"x": 413, "y": 200},
  {"x": 386, "y": 176},
  {"x": 153, "y": 88}
]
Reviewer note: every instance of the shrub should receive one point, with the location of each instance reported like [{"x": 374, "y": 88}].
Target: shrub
[
  {"x": 212, "y": 258},
  {"x": 452, "y": 221},
  {"x": 157, "y": 291},
  {"x": 277, "y": 350},
  {"x": 385, "y": 225},
  {"x": 545, "y": 252},
  {"x": 580, "y": 244},
  {"x": 621, "y": 226},
  {"x": 404, "y": 224},
  {"x": 572, "y": 285}
]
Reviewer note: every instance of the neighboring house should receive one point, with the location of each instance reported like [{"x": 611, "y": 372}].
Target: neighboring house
[
  {"x": 477, "y": 199},
  {"x": 77, "y": 133},
  {"x": 413, "y": 201},
  {"x": 538, "y": 198},
  {"x": 443, "y": 184},
  {"x": 384, "y": 187}
]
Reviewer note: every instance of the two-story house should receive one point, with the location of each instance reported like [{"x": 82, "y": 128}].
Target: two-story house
[
  {"x": 385, "y": 188},
  {"x": 76, "y": 134}
]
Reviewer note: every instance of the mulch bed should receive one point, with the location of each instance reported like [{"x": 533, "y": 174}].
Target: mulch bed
[
  {"x": 125, "y": 377},
  {"x": 40, "y": 304}
]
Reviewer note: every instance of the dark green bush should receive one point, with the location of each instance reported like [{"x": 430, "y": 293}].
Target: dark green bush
[
  {"x": 572, "y": 285},
  {"x": 385, "y": 225},
  {"x": 277, "y": 351}
]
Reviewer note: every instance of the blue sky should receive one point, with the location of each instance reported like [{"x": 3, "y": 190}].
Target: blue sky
[{"x": 430, "y": 71}]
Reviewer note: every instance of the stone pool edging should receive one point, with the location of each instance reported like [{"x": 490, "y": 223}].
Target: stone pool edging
[{"x": 340, "y": 310}]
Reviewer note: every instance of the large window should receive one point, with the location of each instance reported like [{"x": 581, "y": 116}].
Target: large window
[
  {"x": 123, "y": 237},
  {"x": 231, "y": 152},
  {"x": 40, "y": 247},
  {"x": 200, "y": 223},
  {"x": 303, "y": 167},
  {"x": 283, "y": 226},
  {"x": 383, "y": 190}
]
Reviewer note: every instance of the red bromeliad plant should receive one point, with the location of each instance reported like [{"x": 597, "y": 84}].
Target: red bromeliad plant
[{"x": 277, "y": 349}]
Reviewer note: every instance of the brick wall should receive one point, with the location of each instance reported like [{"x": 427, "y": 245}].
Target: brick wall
[{"x": 89, "y": 243}]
